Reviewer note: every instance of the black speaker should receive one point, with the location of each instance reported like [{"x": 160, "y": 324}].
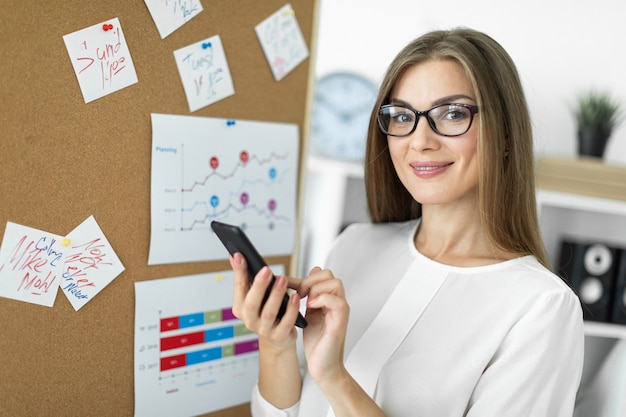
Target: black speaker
[
  {"x": 590, "y": 269},
  {"x": 619, "y": 298}
]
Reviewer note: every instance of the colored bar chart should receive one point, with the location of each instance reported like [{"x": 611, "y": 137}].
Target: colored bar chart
[
  {"x": 196, "y": 338},
  {"x": 207, "y": 355},
  {"x": 192, "y": 355}
]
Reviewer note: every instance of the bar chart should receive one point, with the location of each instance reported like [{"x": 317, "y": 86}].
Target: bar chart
[
  {"x": 192, "y": 355},
  {"x": 202, "y": 342}
]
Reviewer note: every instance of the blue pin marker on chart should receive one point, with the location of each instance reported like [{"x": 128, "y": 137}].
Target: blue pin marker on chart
[
  {"x": 230, "y": 123},
  {"x": 206, "y": 45}
]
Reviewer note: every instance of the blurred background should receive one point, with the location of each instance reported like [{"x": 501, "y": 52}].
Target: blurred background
[{"x": 562, "y": 49}]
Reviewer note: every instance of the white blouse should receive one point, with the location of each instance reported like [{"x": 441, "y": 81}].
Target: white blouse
[{"x": 497, "y": 340}]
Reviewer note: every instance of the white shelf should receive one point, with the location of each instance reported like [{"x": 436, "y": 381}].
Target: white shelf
[
  {"x": 580, "y": 202},
  {"x": 585, "y": 217},
  {"x": 608, "y": 330}
]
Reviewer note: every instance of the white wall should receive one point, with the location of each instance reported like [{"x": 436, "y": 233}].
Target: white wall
[{"x": 561, "y": 47}]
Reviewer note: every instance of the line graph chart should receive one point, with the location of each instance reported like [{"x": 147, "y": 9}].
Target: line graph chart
[{"x": 235, "y": 171}]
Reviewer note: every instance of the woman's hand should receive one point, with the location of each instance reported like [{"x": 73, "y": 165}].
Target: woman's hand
[
  {"x": 327, "y": 317},
  {"x": 248, "y": 299},
  {"x": 279, "y": 373},
  {"x": 324, "y": 341}
]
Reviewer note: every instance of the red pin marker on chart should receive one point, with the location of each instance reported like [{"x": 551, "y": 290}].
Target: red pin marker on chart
[
  {"x": 107, "y": 26},
  {"x": 243, "y": 157}
]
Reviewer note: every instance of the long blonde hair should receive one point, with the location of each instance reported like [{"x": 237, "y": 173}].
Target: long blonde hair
[{"x": 506, "y": 190}]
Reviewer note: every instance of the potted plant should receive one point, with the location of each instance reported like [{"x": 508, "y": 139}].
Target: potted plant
[{"x": 597, "y": 115}]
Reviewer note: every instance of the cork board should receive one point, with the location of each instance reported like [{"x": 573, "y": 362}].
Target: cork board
[{"x": 62, "y": 160}]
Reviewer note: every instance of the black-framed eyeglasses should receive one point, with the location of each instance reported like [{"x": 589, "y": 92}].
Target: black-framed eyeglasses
[{"x": 449, "y": 119}]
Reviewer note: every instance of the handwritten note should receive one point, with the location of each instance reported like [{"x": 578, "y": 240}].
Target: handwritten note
[
  {"x": 90, "y": 263},
  {"x": 282, "y": 41},
  {"x": 31, "y": 264},
  {"x": 101, "y": 59},
  {"x": 204, "y": 72},
  {"x": 169, "y": 15}
]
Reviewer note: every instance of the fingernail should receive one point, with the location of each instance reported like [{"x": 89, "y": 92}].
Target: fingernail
[
  {"x": 265, "y": 272},
  {"x": 281, "y": 282},
  {"x": 295, "y": 298}
]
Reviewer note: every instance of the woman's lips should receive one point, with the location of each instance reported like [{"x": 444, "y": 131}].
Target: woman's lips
[{"x": 429, "y": 169}]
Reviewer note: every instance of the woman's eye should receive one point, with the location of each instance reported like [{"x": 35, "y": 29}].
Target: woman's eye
[
  {"x": 454, "y": 114},
  {"x": 404, "y": 118}
]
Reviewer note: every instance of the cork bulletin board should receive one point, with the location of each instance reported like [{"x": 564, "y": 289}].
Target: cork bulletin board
[{"x": 63, "y": 160}]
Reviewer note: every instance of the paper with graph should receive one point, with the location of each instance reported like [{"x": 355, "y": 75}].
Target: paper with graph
[
  {"x": 192, "y": 355},
  {"x": 241, "y": 172}
]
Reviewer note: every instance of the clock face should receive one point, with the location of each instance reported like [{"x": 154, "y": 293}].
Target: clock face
[{"x": 341, "y": 110}]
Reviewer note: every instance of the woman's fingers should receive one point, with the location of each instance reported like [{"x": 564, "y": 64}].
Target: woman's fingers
[
  {"x": 248, "y": 297},
  {"x": 256, "y": 294},
  {"x": 250, "y": 303},
  {"x": 242, "y": 283},
  {"x": 274, "y": 304},
  {"x": 319, "y": 281}
]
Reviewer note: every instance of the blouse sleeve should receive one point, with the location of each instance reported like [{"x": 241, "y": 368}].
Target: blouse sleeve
[
  {"x": 537, "y": 369},
  {"x": 260, "y": 407}
]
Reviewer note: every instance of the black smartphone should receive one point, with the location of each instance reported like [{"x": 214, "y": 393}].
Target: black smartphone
[{"x": 235, "y": 240}]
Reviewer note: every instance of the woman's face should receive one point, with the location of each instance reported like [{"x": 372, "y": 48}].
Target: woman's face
[{"x": 436, "y": 170}]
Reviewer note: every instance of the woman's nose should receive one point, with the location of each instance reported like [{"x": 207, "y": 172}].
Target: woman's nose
[{"x": 424, "y": 137}]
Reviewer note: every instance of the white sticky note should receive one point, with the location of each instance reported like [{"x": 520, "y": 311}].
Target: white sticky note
[
  {"x": 31, "y": 264},
  {"x": 90, "y": 263},
  {"x": 204, "y": 72},
  {"x": 101, "y": 59},
  {"x": 169, "y": 15},
  {"x": 282, "y": 41}
]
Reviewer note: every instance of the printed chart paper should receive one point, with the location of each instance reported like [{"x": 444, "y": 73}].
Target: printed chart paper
[
  {"x": 236, "y": 171},
  {"x": 169, "y": 15},
  {"x": 31, "y": 264},
  {"x": 101, "y": 59},
  {"x": 204, "y": 72},
  {"x": 192, "y": 356},
  {"x": 282, "y": 42},
  {"x": 90, "y": 263}
]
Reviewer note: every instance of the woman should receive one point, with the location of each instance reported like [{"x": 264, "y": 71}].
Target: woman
[{"x": 444, "y": 305}]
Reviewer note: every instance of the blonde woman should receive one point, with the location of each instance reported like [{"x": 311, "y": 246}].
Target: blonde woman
[{"x": 444, "y": 305}]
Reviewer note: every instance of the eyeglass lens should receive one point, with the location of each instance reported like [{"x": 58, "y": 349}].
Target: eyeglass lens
[{"x": 445, "y": 119}]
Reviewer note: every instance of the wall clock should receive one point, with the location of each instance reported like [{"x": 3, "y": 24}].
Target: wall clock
[{"x": 342, "y": 105}]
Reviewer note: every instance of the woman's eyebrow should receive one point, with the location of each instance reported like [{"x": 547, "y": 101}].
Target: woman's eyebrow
[
  {"x": 400, "y": 102},
  {"x": 442, "y": 100},
  {"x": 451, "y": 99}
]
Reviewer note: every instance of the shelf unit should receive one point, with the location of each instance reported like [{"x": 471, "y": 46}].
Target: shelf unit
[
  {"x": 582, "y": 199},
  {"x": 606, "y": 330}
]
